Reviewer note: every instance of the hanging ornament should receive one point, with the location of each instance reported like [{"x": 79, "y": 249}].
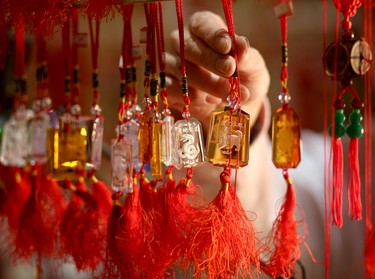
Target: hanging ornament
[
  {"x": 286, "y": 154},
  {"x": 228, "y": 138},
  {"x": 188, "y": 150},
  {"x": 98, "y": 122},
  {"x": 347, "y": 58},
  {"x": 14, "y": 146}
]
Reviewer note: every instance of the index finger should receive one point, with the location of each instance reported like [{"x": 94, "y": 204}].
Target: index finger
[{"x": 211, "y": 29}]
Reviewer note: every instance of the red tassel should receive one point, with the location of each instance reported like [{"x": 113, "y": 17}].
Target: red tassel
[
  {"x": 39, "y": 222},
  {"x": 130, "y": 234},
  {"x": 152, "y": 259},
  {"x": 354, "y": 182},
  {"x": 224, "y": 245},
  {"x": 337, "y": 183},
  {"x": 114, "y": 260},
  {"x": 82, "y": 235},
  {"x": 180, "y": 206},
  {"x": 284, "y": 236},
  {"x": 17, "y": 189}
]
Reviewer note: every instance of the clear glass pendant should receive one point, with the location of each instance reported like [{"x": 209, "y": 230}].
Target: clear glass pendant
[
  {"x": 122, "y": 167},
  {"x": 14, "y": 146},
  {"x": 188, "y": 146},
  {"x": 130, "y": 131},
  {"x": 228, "y": 138},
  {"x": 97, "y": 142},
  {"x": 167, "y": 139},
  {"x": 38, "y": 138},
  {"x": 286, "y": 138}
]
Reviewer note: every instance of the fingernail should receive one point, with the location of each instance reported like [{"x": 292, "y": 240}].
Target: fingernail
[
  {"x": 223, "y": 65},
  {"x": 223, "y": 44},
  {"x": 247, "y": 41}
]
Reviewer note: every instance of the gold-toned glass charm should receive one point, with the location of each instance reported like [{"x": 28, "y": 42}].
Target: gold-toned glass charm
[
  {"x": 155, "y": 164},
  {"x": 188, "y": 146},
  {"x": 286, "y": 137},
  {"x": 66, "y": 150},
  {"x": 144, "y": 136},
  {"x": 228, "y": 138}
]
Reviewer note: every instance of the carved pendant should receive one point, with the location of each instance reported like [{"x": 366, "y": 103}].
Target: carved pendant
[{"x": 228, "y": 138}]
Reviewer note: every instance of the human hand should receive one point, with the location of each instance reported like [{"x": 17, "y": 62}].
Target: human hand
[{"x": 209, "y": 64}]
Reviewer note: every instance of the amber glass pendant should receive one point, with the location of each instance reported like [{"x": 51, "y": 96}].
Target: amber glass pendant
[
  {"x": 286, "y": 138},
  {"x": 156, "y": 165},
  {"x": 73, "y": 145},
  {"x": 144, "y": 136},
  {"x": 188, "y": 148},
  {"x": 228, "y": 138},
  {"x": 66, "y": 150}
]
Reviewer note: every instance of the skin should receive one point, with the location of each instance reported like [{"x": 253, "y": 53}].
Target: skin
[{"x": 209, "y": 64}]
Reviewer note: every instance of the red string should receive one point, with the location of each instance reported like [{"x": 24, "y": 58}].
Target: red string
[
  {"x": 67, "y": 62},
  {"x": 348, "y": 8},
  {"x": 185, "y": 88},
  {"x": 235, "y": 93},
  {"x": 20, "y": 67},
  {"x": 94, "y": 40},
  {"x": 160, "y": 37},
  {"x": 327, "y": 194},
  {"x": 369, "y": 227},
  {"x": 180, "y": 23}
]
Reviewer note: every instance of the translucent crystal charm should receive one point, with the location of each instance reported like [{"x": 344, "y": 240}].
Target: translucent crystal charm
[
  {"x": 130, "y": 130},
  {"x": 167, "y": 139},
  {"x": 122, "y": 168},
  {"x": 286, "y": 138},
  {"x": 38, "y": 138},
  {"x": 228, "y": 138},
  {"x": 188, "y": 146},
  {"x": 14, "y": 145},
  {"x": 97, "y": 142},
  {"x": 155, "y": 163}
]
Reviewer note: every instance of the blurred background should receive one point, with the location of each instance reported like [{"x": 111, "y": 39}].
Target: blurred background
[{"x": 253, "y": 19}]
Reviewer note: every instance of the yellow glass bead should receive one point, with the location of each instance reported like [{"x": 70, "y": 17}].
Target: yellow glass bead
[
  {"x": 286, "y": 137},
  {"x": 228, "y": 138}
]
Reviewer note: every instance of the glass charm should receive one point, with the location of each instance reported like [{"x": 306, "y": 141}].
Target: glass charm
[
  {"x": 286, "y": 138},
  {"x": 97, "y": 142},
  {"x": 144, "y": 136},
  {"x": 14, "y": 146},
  {"x": 122, "y": 167},
  {"x": 156, "y": 165},
  {"x": 167, "y": 139},
  {"x": 188, "y": 146},
  {"x": 38, "y": 137},
  {"x": 228, "y": 138}
]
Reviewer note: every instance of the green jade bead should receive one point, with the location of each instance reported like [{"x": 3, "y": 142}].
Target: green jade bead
[
  {"x": 355, "y": 129},
  {"x": 339, "y": 119}
]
